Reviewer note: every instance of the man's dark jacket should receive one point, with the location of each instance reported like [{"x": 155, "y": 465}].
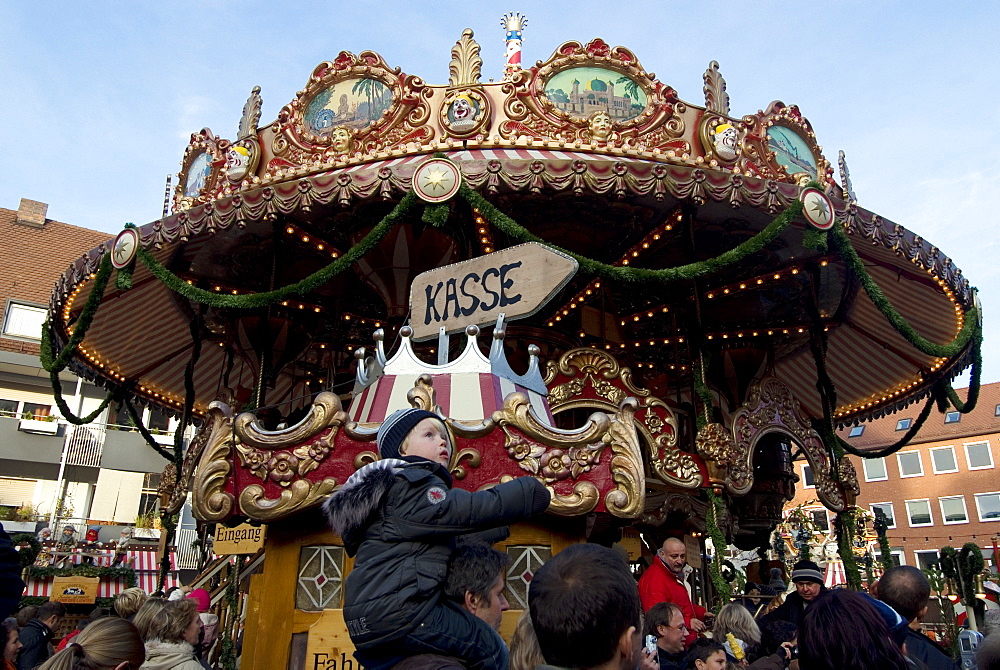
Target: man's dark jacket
[
  {"x": 670, "y": 661},
  {"x": 34, "y": 637},
  {"x": 401, "y": 518},
  {"x": 927, "y": 651},
  {"x": 791, "y": 610}
]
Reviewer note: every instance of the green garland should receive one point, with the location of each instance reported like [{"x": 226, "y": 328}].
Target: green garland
[
  {"x": 169, "y": 525},
  {"x": 136, "y": 420},
  {"x": 630, "y": 274},
  {"x": 881, "y": 525},
  {"x": 723, "y": 590},
  {"x": 845, "y": 546},
  {"x": 227, "y": 654},
  {"x": 843, "y": 246},
  {"x": 313, "y": 281},
  {"x": 30, "y": 553},
  {"x": 44, "y": 572}
]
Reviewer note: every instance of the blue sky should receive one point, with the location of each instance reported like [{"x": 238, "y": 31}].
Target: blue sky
[{"x": 99, "y": 98}]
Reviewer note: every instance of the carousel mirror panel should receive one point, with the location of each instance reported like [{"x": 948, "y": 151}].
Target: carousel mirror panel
[{"x": 321, "y": 575}]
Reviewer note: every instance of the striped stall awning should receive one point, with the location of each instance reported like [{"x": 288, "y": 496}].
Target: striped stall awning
[
  {"x": 836, "y": 575},
  {"x": 145, "y": 564}
]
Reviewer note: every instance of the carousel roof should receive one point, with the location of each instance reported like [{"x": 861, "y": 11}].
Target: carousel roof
[{"x": 622, "y": 173}]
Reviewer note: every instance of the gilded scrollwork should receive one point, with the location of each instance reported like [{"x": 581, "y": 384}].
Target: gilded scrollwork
[
  {"x": 628, "y": 498},
  {"x": 210, "y": 500},
  {"x": 474, "y": 458},
  {"x": 299, "y": 494},
  {"x": 568, "y": 380},
  {"x": 199, "y": 170},
  {"x": 770, "y": 407},
  {"x": 764, "y": 146},
  {"x": 326, "y": 412}
]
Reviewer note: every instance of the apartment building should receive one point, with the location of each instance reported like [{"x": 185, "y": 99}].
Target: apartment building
[
  {"x": 941, "y": 489},
  {"x": 109, "y": 473}
]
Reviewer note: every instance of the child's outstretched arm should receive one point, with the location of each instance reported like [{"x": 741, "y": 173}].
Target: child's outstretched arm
[{"x": 430, "y": 509}]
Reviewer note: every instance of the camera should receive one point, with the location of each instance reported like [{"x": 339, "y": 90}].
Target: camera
[
  {"x": 650, "y": 644},
  {"x": 793, "y": 653}
]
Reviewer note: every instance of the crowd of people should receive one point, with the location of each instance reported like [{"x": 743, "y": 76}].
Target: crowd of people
[
  {"x": 174, "y": 632},
  {"x": 427, "y": 592}
]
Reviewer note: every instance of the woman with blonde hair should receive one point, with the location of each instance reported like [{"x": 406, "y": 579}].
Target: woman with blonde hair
[
  {"x": 524, "y": 651},
  {"x": 171, "y": 634},
  {"x": 107, "y": 643},
  {"x": 734, "y": 619}
]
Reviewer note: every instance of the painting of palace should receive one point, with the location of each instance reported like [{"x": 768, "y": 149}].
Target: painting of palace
[{"x": 581, "y": 91}]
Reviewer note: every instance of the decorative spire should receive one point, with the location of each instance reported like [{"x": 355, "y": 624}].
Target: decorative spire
[
  {"x": 251, "y": 114},
  {"x": 845, "y": 177},
  {"x": 464, "y": 69},
  {"x": 716, "y": 98},
  {"x": 513, "y": 23}
]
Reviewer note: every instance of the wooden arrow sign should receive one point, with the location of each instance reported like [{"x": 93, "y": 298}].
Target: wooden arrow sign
[{"x": 517, "y": 282}]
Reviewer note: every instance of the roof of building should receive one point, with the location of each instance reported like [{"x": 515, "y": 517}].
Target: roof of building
[
  {"x": 882, "y": 432},
  {"x": 32, "y": 257}
]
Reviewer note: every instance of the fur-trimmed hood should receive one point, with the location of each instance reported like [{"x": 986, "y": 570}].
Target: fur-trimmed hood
[{"x": 349, "y": 507}]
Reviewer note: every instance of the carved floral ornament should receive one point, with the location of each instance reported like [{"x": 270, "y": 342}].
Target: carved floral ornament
[
  {"x": 609, "y": 384},
  {"x": 770, "y": 407},
  {"x": 779, "y": 143},
  {"x": 564, "y": 98}
]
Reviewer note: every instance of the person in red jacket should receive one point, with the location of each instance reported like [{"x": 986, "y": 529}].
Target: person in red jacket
[{"x": 663, "y": 581}]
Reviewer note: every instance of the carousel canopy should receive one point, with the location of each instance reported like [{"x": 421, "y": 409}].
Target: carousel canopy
[{"x": 702, "y": 251}]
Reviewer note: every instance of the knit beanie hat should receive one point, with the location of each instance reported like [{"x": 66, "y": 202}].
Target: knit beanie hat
[
  {"x": 394, "y": 429},
  {"x": 201, "y": 597},
  {"x": 807, "y": 571}
]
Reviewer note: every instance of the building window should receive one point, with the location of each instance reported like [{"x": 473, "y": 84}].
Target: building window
[
  {"x": 8, "y": 408},
  {"x": 856, "y": 431},
  {"x": 952, "y": 417},
  {"x": 978, "y": 455},
  {"x": 943, "y": 460},
  {"x": 904, "y": 424},
  {"x": 874, "y": 469},
  {"x": 820, "y": 520},
  {"x": 953, "y": 509},
  {"x": 807, "y": 477},
  {"x": 895, "y": 554},
  {"x": 23, "y": 320},
  {"x": 919, "y": 513},
  {"x": 996, "y": 411},
  {"x": 890, "y": 514},
  {"x": 927, "y": 559},
  {"x": 321, "y": 572},
  {"x": 988, "y": 506},
  {"x": 910, "y": 464}
]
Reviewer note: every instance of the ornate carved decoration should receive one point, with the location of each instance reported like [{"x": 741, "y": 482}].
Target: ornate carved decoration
[
  {"x": 464, "y": 69},
  {"x": 209, "y": 498},
  {"x": 251, "y": 115},
  {"x": 696, "y": 509},
  {"x": 266, "y": 454},
  {"x": 200, "y": 169},
  {"x": 300, "y": 494},
  {"x": 845, "y": 177},
  {"x": 770, "y": 407},
  {"x": 720, "y": 139},
  {"x": 192, "y": 457},
  {"x": 555, "y": 455},
  {"x": 532, "y": 113},
  {"x": 716, "y": 446},
  {"x": 422, "y": 395},
  {"x": 310, "y": 130},
  {"x": 594, "y": 369},
  {"x": 716, "y": 98},
  {"x": 848, "y": 478},
  {"x": 773, "y": 144}
]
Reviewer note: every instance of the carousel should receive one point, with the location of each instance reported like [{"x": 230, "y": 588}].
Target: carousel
[{"x": 651, "y": 305}]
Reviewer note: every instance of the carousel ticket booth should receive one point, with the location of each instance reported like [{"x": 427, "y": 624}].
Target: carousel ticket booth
[{"x": 651, "y": 305}]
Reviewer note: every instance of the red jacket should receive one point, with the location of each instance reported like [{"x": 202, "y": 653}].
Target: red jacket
[{"x": 658, "y": 585}]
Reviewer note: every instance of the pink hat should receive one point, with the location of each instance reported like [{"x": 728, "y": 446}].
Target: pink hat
[{"x": 201, "y": 597}]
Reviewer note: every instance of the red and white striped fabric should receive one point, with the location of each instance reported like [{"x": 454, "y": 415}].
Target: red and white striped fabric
[
  {"x": 464, "y": 397},
  {"x": 835, "y": 575}
]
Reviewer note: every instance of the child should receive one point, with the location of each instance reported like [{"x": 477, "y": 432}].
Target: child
[
  {"x": 401, "y": 517},
  {"x": 706, "y": 654}
]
